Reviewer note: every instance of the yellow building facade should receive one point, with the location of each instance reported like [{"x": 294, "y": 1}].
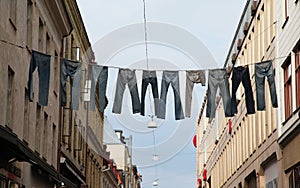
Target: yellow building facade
[{"x": 242, "y": 151}]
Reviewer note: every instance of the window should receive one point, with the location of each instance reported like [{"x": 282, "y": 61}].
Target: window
[
  {"x": 29, "y": 23},
  {"x": 56, "y": 73},
  {"x": 9, "y": 97},
  {"x": 53, "y": 143},
  {"x": 45, "y": 135},
  {"x": 26, "y": 117},
  {"x": 285, "y": 12},
  {"x": 13, "y": 13},
  {"x": 294, "y": 178},
  {"x": 41, "y": 36},
  {"x": 288, "y": 87},
  {"x": 37, "y": 128},
  {"x": 297, "y": 75},
  {"x": 48, "y": 44}
]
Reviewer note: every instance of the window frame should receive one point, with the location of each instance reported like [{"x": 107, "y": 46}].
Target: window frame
[{"x": 288, "y": 88}]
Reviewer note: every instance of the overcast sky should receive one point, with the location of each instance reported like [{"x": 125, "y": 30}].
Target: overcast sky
[{"x": 181, "y": 29}]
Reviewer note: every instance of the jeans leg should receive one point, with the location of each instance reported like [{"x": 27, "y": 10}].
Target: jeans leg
[
  {"x": 155, "y": 93},
  {"x": 163, "y": 95},
  {"x": 211, "y": 96},
  {"x": 272, "y": 87},
  {"x": 95, "y": 74},
  {"x": 120, "y": 87},
  {"x": 188, "y": 96},
  {"x": 260, "y": 89},
  {"x": 75, "y": 83},
  {"x": 248, "y": 92},
  {"x": 135, "y": 99},
  {"x": 102, "y": 87},
  {"x": 224, "y": 89},
  {"x": 145, "y": 83},
  {"x": 32, "y": 68},
  {"x": 178, "y": 106},
  {"x": 44, "y": 79},
  {"x": 235, "y": 84}
]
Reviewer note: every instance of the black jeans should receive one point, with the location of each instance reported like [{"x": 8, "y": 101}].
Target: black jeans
[
  {"x": 262, "y": 70},
  {"x": 241, "y": 74},
  {"x": 42, "y": 62},
  {"x": 72, "y": 69},
  {"x": 218, "y": 78},
  {"x": 170, "y": 77},
  {"x": 126, "y": 76},
  {"x": 99, "y": 75},
  {"x": 149, "y": 77}
]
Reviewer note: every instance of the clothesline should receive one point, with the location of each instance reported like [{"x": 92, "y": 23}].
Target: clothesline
[{"x": 139, "y": 69}]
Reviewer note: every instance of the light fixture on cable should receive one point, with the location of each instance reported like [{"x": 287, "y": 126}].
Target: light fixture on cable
[
  {"x": 155, "y": 183},
  {"x": 155, "y": 157},
  {"x": 152, "y": 124}
]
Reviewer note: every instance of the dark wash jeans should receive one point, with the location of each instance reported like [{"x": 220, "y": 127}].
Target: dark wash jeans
[
  {"x": 149, "y": 77},
  {"x": 170, "y": 77},
  {"x": 73, "y": 70},
  {"x": 126, "y": 76},
  {"x": 192, "y": 77},
  {"x": 99, "y": 76},
  {"x": 241, "y": 74},
  {"x": 262, "y": 70},
  {"x": 42, "y": 62},
  {"x": 218, "y": 78}
]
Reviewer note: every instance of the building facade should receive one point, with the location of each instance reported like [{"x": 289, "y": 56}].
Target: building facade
[
  {"x": 289, "y": 91},
  {"x": 48, "y": 145},
  {"x": 30, "y": 131},
  {"x": 242, "y": 151}
]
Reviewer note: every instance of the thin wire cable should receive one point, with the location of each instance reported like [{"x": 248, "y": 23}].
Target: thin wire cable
[
  {"x": 117, "y": 67},
  {"x": 147, "y": 56}
]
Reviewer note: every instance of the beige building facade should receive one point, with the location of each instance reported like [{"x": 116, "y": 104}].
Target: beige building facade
[
  {"x": 47, "y": 146},
  {"x": 242, "y": 151},
  {"x": 289, "y": 91},
  {"x": 30, "y": 131}
]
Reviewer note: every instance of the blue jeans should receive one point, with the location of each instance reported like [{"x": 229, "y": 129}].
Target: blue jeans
[
  {"x": 72, "y": 69},
  {"x": 99, "y": 75},
  {"x": 218, "y": 78},
  {"x": 262, "y": 70},
  {"x": 126, "y": 76},
  {"x": 42, "y": 62},
  {"x": 170, "y": 77}
]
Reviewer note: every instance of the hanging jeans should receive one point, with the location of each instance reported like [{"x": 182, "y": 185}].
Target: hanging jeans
[
  {"x": 126, "y": 76},
  {"x": 170, "y": 77},
  {"x": 149, "y": 77},
  {"x": 42, "y": 62},
  {"x": 218, "y": 78},
  {"x": 192, "y": 77},
  {"x": 262, "y": 70},
  {"x": 73, "y": 70},
  {"x": 241, "y": 74},
  {"x": 99, "y": 75}
]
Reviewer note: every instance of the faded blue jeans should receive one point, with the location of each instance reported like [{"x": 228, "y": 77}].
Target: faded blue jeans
[
  {"x": 99, "y": 75},
  {"x": 42, "y": 62},
  {"x": 262, "y": 70},
  {"x": 218, "y": 78},
  {"x": 72, "y": 69},
  {"x": 192, "y": 77},
  {"x": 170, "y": 77},
  {"x": 126, "y": 76}
]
